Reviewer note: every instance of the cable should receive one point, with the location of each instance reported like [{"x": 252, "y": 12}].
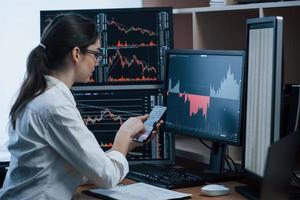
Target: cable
[
  {"x": 211, "y": 149},
  {"x": 206, "y": 144},
  {"x": 235, "y": 166},
  {"x": 228, "y": 164},
  {"x": 226, "y": 157}
]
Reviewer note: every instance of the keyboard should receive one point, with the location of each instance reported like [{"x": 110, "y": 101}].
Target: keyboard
[{"x": 165, "y": 177}]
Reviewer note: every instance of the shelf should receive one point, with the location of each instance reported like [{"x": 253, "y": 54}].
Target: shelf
[
  {"x": 237, "y": 7},
  {"x": 224, "y": 28}
]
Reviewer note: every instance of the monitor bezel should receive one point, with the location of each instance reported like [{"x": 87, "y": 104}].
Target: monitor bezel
[
  {"x": 256, "y": 23},
  {"x": 147, "y": 85},
  {"x": 169, "y": 10},
  {"x": 242, "y": 94},
  {"x": 171, "y": 148}
]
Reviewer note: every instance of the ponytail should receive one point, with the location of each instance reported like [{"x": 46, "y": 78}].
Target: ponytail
[
  {"x": 60, "y": 36},
  {"x": 34, "y": 83}
]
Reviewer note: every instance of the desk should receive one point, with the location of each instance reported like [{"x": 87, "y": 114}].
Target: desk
[{"x": 195, "y": 191}]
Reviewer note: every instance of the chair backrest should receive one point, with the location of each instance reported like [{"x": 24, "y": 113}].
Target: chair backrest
[
  {"x": 3, "y": 171},
  {"x": 2, "y": 175},
  {"x": 281, "y": 162}
]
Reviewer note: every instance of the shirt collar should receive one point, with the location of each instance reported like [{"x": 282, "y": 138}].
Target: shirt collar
[{"x": 54, "y": 82}]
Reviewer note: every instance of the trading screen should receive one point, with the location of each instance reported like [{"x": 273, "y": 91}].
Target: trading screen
[
  {"x": 133, "y": 43},
  {"x": 204, "y": 95},
  {"x": 129, "y": 80},
  {"x": 133, "y": 47},
  {"x": 104, "y": 111}
]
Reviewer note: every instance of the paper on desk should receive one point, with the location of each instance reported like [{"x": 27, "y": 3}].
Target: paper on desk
[{"x": 138, "y": 191}]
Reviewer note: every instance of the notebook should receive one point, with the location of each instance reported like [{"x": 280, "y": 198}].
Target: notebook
[{"x": 137, "y": 191}]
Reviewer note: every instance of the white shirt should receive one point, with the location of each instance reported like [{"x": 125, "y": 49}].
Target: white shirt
[{"x": 52, "y": 151}]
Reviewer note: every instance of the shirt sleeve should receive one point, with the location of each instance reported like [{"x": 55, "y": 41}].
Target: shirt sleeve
[{"x": 68, "y": 135}]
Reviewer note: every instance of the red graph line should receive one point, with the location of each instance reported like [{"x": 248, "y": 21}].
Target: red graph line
[
  {"x": 126, "y": 30},
  {"x": 127, "y": 62},
  {"x": 125, "y": 44},
  {"x": 197, "y": 102},
  {"x": 103, "y": 115},
  {"x": 123, "y": 79}
]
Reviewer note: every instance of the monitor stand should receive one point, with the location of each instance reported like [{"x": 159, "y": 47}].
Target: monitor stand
[{"x": 216, "y": 171}]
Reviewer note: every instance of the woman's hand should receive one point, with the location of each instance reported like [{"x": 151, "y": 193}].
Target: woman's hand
[
  {"x": 130, "y": 128},
  {"x": 154, "y": 133}
]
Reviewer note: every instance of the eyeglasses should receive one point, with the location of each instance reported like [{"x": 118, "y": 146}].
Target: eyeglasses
[{"x": 98, "y": 54}]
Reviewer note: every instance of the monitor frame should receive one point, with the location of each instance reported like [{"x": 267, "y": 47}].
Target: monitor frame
[
  {"x": 171, "y": 147},
  {"x": 126, "y": 85},
  {"x": 242, "y": 93},
  {"x": 276, "y": 23},
  {"x": 44, "y": 13},
  {"x": 252, "y": 190}
]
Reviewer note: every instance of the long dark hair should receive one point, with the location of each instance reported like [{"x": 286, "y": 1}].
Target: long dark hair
[{"x": 60, "y": 36}]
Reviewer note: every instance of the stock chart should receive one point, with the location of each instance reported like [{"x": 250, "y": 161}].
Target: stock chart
[
  {"x": 128, "y": 81},
  {"x": 134, "y": 47},
  {"x": 204, "y": 95},
  {"x": 133, "y": 43},
  {"x": 104, "y": 111}
]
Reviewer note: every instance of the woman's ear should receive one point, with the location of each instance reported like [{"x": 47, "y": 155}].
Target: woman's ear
[{"x": 75, "y": 54}]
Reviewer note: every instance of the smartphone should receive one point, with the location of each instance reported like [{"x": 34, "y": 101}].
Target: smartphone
[{"x": 154, "y": 117}]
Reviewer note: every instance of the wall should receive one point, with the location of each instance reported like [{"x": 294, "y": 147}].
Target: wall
[{"x": 19, "y": 33}]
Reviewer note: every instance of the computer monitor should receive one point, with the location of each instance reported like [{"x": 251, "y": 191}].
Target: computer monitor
[
  {"x": 105, "y": 108},
  {"x": 133, "y": 42},
  {"x": 129, "y": 80},
  {"x": 205, "y": 98},
  {"x": 264, "y": 96}
]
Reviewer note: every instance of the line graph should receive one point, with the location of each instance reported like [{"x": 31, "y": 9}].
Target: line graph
[
  {"x": 229, "y": 89},
  {"x": 123, "y": 68},
  {"x": 125, "y": 44},
  {"x": 104, "y": 121},
  {"x": 127, "y": 30},
  {"x": 130, "y": 30},
  {"x": 105, "y": 113}
]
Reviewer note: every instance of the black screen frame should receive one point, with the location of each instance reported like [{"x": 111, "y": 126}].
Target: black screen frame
[
  {"x": 242, "y": 94},
  {"x": 126, "y": 85},
  {"x": 44, "y": 13}
]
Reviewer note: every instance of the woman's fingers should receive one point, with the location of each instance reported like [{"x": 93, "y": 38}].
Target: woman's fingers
[{"x": 143, "y": 117}]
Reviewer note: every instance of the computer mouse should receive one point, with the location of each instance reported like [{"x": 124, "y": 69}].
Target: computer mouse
[{"x": 214, "y": 190}]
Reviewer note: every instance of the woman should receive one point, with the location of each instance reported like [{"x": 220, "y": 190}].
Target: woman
[{"x": 52, "y": 151}]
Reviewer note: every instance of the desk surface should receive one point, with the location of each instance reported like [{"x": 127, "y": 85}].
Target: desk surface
[{"x": 195, "y": 191}]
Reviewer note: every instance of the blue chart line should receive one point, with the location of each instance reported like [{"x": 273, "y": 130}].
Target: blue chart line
[{"x": 229, "y": 88}]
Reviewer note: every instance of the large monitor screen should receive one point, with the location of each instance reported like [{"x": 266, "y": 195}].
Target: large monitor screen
[
  {"x": 105, "y": 109},
  {"x": 133, "y": 41},
  {"x": 130, "y": 78},
  {"x": 205, "y": 94}
]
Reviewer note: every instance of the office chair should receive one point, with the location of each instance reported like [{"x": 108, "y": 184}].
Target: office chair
[{"x": 2, "y": 172}]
